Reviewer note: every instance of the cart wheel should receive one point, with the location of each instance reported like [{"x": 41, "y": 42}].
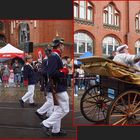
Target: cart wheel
[
  {"x": 125, "y": 109},
  {"x": 94, "y": 105}
]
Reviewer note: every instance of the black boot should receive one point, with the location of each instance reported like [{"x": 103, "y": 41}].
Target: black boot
[
  {"x": 42, "y": 117},
  {"x": 33, "y": 104},
  {"x": 46, "y": 130},
  {"x": 60, "y": 133},
  {"x": 21, "y": 103}
]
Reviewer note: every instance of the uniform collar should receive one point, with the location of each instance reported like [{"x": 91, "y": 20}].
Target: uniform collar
[
  {"x": 27, "y": 63},
  {"x": 58, "y": 52}
]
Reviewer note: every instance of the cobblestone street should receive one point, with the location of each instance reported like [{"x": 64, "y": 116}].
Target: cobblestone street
[{"x": 17, "y": 122}]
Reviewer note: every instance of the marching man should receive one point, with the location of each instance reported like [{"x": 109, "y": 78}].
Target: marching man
[
  {"x": 30, "y": 80},
  {"x": 56, "y": 88}
]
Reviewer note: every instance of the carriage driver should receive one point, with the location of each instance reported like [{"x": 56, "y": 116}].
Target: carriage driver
[
  {"x": 122, "y": 56},
  {"x": 57, "y": 81}
]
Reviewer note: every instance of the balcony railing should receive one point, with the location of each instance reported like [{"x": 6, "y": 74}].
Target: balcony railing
[
  {"x": 83, "y": 21},
  {"x": 113, "y": 27}
]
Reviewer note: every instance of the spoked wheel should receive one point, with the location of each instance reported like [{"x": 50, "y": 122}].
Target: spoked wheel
[
  {"x": 125, "y": 109},
  {"x": 94, "y": 105}
]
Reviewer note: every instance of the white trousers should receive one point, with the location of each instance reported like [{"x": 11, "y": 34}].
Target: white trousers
[
  {"x": 59, "y": 112},
  {"x": 48, "y": 106},
  {"x": 29, "y": 94}
]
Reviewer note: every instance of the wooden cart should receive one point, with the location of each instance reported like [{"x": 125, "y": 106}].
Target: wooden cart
[{"x": 116, "y": 98}]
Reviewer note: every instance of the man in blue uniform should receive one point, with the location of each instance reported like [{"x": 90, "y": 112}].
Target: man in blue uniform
[
  {"x": 30, "y": 80},
  {"x": 47, "y": 108},
  {"x": 56, "y": 89}
]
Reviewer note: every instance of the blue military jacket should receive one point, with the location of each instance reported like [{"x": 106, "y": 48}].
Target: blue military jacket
[
  {"x": 57, "y": 79},
  {"x": 29, "y": 74}
]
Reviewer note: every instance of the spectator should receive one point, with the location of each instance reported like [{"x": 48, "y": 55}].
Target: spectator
[
  {"x": 69, "y": 76},
  {"x": 11, "y": 78},
  {"x": 22, "y": 78},
  {"x": 17, "y": 73},
  {"x": 1, "y": 73},
  {"x": 76, "y": 83},
  {"x": 81, "y": 78},
  {"x": 6, "y": 74}
]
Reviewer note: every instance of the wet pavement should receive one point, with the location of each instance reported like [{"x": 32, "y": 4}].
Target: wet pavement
[
  {"x": 17, "y": 122},
  {"x": 78, "y": 117}
]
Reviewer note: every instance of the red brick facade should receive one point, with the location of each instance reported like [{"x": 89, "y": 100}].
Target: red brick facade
[
  {"x": 97, "y": 31},
  {"x": 42, "y": 32}
]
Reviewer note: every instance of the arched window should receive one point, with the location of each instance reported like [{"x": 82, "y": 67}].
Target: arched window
[
  {"x": 109, "y": 45},
  {"x": 82, "y": 43},
  {"x": 137, "y": 22},
  {"x": 83, "y": 10},
  {"x": 111, "y": 16},
  {"x": 137, "y": 47},
  {"x": 24, "y": 33}
]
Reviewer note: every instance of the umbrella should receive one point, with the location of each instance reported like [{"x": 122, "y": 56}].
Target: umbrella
[{"x": 86, "y": 54}]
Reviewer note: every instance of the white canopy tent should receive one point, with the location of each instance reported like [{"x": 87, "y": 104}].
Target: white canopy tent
[{"x": 10, "y": 51}]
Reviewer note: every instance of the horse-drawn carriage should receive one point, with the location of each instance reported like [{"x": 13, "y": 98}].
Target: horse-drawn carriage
[{"x": 116, "y": 98}]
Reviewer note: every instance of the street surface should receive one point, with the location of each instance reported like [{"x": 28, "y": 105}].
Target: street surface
[{"x": 17, "y": 122}]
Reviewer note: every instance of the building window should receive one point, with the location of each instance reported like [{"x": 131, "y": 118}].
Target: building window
[
  {"x": 83, "y": 10},
  {"x": 76, "y": 10},
  {"x": 105, "y": 17},
  {"x": 82, "y": 43},
  {"x": 109, "y": 45},
  {"x": 89, "y": 13},
  {"x": 137, "y": 47},
  {"x": 137, "y": 22},
  {"x": 2, "y": 40},
  {"x": 111, "y": 16},
  {"x": 24, "y": 33}
]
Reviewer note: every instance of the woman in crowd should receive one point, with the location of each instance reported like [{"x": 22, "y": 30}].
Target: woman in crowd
[{"x": 6, "y": 74}]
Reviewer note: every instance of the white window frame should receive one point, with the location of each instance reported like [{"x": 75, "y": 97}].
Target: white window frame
[
  {"x": 137, "y": 46},
  {"x": 137, "y": 21},
  {"x": 113, "y": 43},
  {"x": 76, "y": 9},
  {"x": 82, "y": 9},
  {"x": 111, "y": 16},
  {"x": 87, "y": 40},
  {"x": 89, "y": 13}
]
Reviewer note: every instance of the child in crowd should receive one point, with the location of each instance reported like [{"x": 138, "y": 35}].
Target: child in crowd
[{"x": 6, "y": 74}]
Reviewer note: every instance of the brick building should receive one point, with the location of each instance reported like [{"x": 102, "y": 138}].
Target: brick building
[
  {"x": 101, "y": 26},
  {"x": 40, "y": 32}
]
